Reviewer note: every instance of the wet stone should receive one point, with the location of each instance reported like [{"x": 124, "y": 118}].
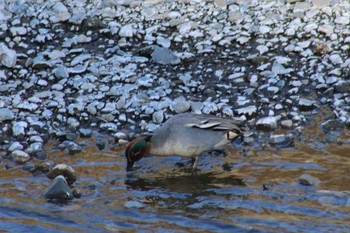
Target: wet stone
[
  {"x": 332, "y": 125},
  {"x": 85, "y": 132},
  {"x": 65, "y": 170},
  {"x": 308, "y": 180},
  {"x": 20, "y": 156},
  {"x": 281, "y": 140},
  {"x": 59, "y": 189}
]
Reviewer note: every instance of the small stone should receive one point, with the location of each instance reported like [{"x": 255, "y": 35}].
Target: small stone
[
  {"x": 158, "y": 117},
  {"x": 85, "y": 132},
  {"x": 18, "y": 128},
  {"x": 164, "y": 56},
  {"x": 61, "y": 72},
  {"x": 20, "y": 156},
  {"x": 332, "y": 125},
  {"x": 180, "y": 105},
  {"x": 266, "y": 123},
  {"x": 59, "y": 189},
  {"x": 6, "y": 114},
  {"x": 281, "y": 140},
  {"x": 8, "y": 57},
  {"x": 306, "y": 104},
  {"x": 66, "y": 171},
  {"x": 287, "y": 124},
  {"x": 308, "y": 180},
  {"x": 15, "y": 146},
  {"x": 126, "y": 31},
  {"x": 134, "y": 204}
]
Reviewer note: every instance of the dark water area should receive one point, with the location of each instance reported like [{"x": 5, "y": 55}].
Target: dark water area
[{"x": 248, "y": 190}]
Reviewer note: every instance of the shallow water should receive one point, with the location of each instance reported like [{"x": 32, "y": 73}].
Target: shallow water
[{"x": 248, "y": 190}]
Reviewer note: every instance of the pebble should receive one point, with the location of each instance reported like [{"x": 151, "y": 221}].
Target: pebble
[
  {"x": 63, "y": 170},
  {"x": 8, "y": 57},
  {"x": 58, "y": 189},
  {"x": 306, "y": 104},
  {"x": 20, "y": 156},
  {"x": 266, "y": 123},
  {"x": 180, "y": 105},
  {"x": 165, "y": 56},
  {"x": 308, "y": 180},
  {"x": 6, "y": 114}
]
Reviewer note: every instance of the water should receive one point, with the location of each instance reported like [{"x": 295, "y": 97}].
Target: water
[{"x": 249, "y": 190}]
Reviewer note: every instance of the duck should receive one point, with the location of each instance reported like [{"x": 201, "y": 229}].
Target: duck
[{"x": 186, "y": 135}]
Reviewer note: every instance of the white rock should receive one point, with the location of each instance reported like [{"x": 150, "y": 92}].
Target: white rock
[
  {"x": 336, "y": 59},
  {"x": 158, "y": 117},
  {"x": 6, "y": 114},
  {"x": 60, "y": 13},
  {"x": 20, "y": 156},
  {"x": 127, "y": 31},
  {"x": 8, "y": 57},
  {"x": 262, "y": 49},
  {"x": 19, "y": 128},
  {"x": 320, "y": 3},
  {"x": 268, "y": 123},
  {"x": 180, "y": 104}
]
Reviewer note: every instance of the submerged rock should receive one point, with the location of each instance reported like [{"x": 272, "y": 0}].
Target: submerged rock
[
  {"x": 308, "y": 180},
  {"x": 59, "y": 189},
  {"x": 64, "y": 170}
]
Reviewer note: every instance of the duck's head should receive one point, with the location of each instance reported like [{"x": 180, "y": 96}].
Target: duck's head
[{"x": 136, "y": 150}]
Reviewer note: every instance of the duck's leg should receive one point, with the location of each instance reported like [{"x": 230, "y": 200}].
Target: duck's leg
[{"x": 195, "y": 162}]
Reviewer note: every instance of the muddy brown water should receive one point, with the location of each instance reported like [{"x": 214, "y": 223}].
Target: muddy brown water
[{"x": 162, "y": 196}]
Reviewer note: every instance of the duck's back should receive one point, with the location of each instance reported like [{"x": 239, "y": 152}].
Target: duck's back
[{"x": 191, "y": 134}]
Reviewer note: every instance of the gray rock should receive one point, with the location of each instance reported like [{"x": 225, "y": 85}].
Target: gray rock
[
  {"x": 59, "y": 189},
  {"x": 15, "y": 146},
  {"x": 85, "y": 132},
  {"x": 332, "y": 125},
  {"x": 8, "y": 57},
  {"x": 180, "y": 104},
  {"x": 158, "y": 117},
  {"x": 306, "y": 104},
  {"x": 18, "y": 128},
  {"x": 134, "y": 204},
  {"x": 61, "y": 72},
  {"x": 281, "y": 140},
  {"x": 165, "y": 56},
  {"x": 6, "y": 114},
  {"x": 287, "y": 124},
  {"x": 247, "y": 111},
  {"x": 266, "y": 123},
  {"x": 20, "y": 156},
  {"x": 64, "y": 170},
  {"x": 308, "y": 180}
]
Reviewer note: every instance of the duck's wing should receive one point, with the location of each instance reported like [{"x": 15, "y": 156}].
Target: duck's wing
[{"x": 213, "y": 123}]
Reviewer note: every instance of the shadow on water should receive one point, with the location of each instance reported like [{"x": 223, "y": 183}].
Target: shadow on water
[{"x": 190, "y": 182}]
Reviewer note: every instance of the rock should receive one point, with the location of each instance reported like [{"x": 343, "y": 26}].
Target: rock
[
  {"x": 164, "y": 56},
  {"x": 308, "y": 180},
  {"x": 126, "y": 31},
  {"x": 287, "y": 124},
  {"x": 8, "y": 57},
  {"x": 266, "y": 123},
  {"x": 247, "y": 111},
  {"x": 134, "y": 204},
  {"x": 158, "y": 117},
  {"x": 6, "y": 114},
  {"x": 20, "y": 156},
  {"x": 180, "y": 105},
  {"x": 306, "y": 104},
  {"x": 281, "y": 140},
  {"x": 332, "y": 125},
  {"x": 18, "y": 128},
  {"x": 15, "y": 146},
  {"x": 59, "y": 189},
  {"x": 66, "y": 171},
  {"x": 85, "y": 132}
]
